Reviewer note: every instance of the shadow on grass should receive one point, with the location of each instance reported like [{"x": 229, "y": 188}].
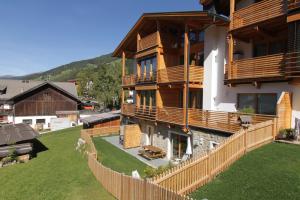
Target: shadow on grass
[{"x": 38, "y": 147}]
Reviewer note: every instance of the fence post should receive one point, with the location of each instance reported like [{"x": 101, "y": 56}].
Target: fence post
[
  {"x": 121, "y": 195},
  {"x": 274, "y": 127},
  {"x": 145, "y": 186},
  {"x": 208, "y": 166},
  {"x": 245, "y": 139}
]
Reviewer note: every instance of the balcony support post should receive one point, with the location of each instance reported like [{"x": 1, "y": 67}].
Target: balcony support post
[
  {"x": 232, "y": 9},
  {"x": 123, "y": 75},
  {"x": 185, "y": 86},
  {"x": 230, "y": 55}
]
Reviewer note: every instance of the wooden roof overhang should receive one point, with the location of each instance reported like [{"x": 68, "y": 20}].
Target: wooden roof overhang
[
  {"x": 264, "y": 30},
  {"x": 147, "y": 24}
]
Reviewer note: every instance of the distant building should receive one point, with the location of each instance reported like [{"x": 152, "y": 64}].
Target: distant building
[
  {"x": 102, "y": 120},
  {"x": 35, "y": 102}
]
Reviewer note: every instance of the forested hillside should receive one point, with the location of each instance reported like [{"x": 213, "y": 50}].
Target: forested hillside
[{"x": 98, "y": 78}]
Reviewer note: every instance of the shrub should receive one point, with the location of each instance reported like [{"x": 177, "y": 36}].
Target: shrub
[
  {"x": 151, "y": 172},
  {"x": 248, "y": 110}
]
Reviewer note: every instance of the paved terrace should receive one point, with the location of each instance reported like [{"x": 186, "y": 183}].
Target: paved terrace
[{"x": 114, "y": 140}]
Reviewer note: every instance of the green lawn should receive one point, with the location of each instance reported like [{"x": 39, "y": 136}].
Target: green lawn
[
  {"x": 271, "y": 172},
  {"x": 57, "y": 173},
  {"x": 117, "y": 159}
]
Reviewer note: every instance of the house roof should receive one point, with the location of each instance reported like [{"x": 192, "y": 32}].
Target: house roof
[
  {"x": 102, "y": 117},
  {"x": 13, "y": 133},
  {"x": 15, "y": 88},
  {"x": 199, "y": 19}
]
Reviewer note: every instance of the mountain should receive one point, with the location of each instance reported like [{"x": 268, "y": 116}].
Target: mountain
[{"x": 70, "y": 71}]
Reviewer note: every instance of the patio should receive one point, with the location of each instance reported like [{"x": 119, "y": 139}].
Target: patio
[{"x": 114, "y": 140}]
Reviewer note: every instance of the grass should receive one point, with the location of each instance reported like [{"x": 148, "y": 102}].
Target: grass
[
  {"x": 271, "y": 172},
  {"x": 57, "y": 173},
  {"x": 117, "y": 159}
]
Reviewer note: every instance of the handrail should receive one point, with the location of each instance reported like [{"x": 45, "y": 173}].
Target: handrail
[{"x": 258, "y": 12}]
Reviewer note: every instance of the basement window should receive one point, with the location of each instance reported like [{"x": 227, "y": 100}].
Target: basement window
[{"x": 27, "y": 121}]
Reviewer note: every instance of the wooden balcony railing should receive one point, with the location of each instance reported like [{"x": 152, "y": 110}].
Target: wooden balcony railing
[
  {"x": 259, "y": 67},
  {"x": 293, "y": 4},
  {"x": 176, "y": 74},
  {"x": 128, "y": 109},
  {"x": 146, "y": 112},
  {"x": 292, "y": 68},
  {"x": 147, "y": 42},
  {"x": 128, "y": 80},
  {"x": 171, "y": 115},
  {"x": 222, "y": 121},
  {"x": 258, "y": 12},
  {"x": 146, "y": 77}
]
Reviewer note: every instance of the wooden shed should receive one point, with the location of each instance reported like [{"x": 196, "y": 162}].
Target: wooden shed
[{"x": 102, "y": 120}]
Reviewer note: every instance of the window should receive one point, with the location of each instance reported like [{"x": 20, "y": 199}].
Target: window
[
  {"x": 148, "y": 67},
  {"x": 195, "y": 99},
  {"x": 40, "y": 121},
  {"x": 261, "y": 103},
  {"x": 27, "y": 121},
  {"x": 147, "y": 97}
]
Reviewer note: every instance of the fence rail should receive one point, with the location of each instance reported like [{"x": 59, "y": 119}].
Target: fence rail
[
  {"x": 128, "y": 109},
  {"x": 293, "y": 4},
  {"x": 128, "y": 80},
  {"x": 292, "y": 68},
  {"x": 199, "y": 170},
  {"x": 176, "y": 74},
  {"x": 258, "y": 12},
  {"x": 259, "y": 67},
  {"x": 122, "y": 186}
]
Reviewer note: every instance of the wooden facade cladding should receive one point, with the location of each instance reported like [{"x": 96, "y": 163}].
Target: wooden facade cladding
[
  {"x": 293, "y": 4},
  {"x": 176, "y": 74},
  {"x": 44, "y": 101},
  {"x": 259, "y": 67},
  {"x": 258, "y": 12},
  {"x": 147, "y": 42}
]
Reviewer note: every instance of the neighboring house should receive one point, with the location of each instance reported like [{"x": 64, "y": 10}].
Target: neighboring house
[
  {"x": 194, "y": 68},
  {"x": 35, "y": 102},
  {"x": 102, "y": 120}
]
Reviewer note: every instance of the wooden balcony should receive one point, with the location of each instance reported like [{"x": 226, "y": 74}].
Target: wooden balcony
[
  {"x": 258, "y": 12},
  {"x": 175, "y": 74},
  {"x": 147, "y": 42},
  {"x": 292, "y": 68},
  {"x": 221, "y": 121},
  {"x": 293, "y": 4},
  {"x": 271, "y": 66},
  {"x": 146, "y": 113},
  {"x": 146, "y": 78},
  {"x": 128, "y": 80},
  {"x": 171, "y": 115},
  {"x": 128, "y": 109}
]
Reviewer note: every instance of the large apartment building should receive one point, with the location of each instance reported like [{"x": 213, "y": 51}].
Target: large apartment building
[{"x": 195, "y": 70}]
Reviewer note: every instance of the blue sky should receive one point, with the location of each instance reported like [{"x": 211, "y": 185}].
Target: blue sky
[{"x": 36, "y": 35}]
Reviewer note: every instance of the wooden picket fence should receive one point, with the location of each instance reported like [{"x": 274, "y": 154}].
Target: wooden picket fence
[
  {"x": 190, "y": 175},
  {"x": 122, "y": 186}
]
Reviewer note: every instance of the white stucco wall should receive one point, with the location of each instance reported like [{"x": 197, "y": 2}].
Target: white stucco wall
[
  {"x": 214, "y": 61},
  {"x": 20, "y": 119}
]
